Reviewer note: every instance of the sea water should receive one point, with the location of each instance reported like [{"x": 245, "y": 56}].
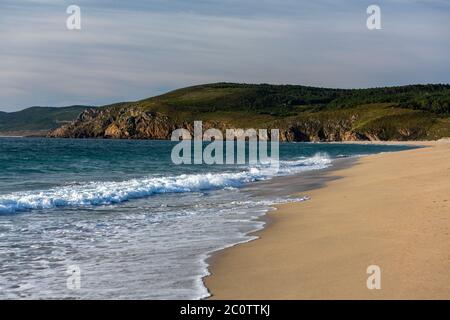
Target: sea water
[{"x": 132, "y": 223}]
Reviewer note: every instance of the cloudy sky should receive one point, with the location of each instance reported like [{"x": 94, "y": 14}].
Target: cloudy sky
[{"x": 128, "y": 50}]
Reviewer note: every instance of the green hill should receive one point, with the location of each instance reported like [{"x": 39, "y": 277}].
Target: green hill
[
  {"x": 37, "y": 120},
  {"x": 301, "y": 113}
]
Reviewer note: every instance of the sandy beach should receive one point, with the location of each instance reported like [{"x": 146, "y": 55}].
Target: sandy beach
[{"x": 391, "y": 210}]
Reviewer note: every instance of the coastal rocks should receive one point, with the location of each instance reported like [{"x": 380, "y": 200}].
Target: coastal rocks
[
  {"x": 355, "y": 136},
  {"x": 117, "y": 122},
  {"x": 137, "y": 124},
  {"x": 106, "y": 123},
  {"x": 315, "y": 130},
  {"x": 113, "y": 131}
]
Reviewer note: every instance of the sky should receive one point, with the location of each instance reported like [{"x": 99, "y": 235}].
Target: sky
[{"x": 130, "y": 50}]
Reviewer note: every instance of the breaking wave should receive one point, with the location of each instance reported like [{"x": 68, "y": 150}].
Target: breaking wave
[{"x": 106, "y": 193}]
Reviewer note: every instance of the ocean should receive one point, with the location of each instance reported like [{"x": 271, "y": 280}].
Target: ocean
[{"x": 124, "y": 218}]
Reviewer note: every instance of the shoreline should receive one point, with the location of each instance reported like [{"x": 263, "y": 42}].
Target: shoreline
[
  {"x": 320, "y": 177},
  {"x": 268, "y": 267}
]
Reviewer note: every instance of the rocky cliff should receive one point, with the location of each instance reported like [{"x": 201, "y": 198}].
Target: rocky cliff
[
  {"x": 300, "y": 113},
  {"x": 138, "y": 124}
]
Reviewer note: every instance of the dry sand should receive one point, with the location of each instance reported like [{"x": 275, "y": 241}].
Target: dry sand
[{"x": 390, "y": 210}]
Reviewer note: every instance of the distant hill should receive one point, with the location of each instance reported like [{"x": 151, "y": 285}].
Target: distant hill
[
  {"x": 301, "y": 113},
  {"x": 37, "y": 120}
]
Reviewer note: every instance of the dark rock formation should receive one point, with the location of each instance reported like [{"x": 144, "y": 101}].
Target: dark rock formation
[{"x": 134, "y": 123}]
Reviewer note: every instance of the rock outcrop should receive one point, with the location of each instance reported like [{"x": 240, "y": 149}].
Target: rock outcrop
[
  {"x": 133, "y": 123},
  {"x": 117, "y": 124}
]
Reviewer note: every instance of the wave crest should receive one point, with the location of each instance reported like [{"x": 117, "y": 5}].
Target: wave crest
[{"x": 106, "y": 193}]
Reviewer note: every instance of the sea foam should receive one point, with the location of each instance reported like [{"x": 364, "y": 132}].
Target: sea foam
[{"x": 99, "y": 193}]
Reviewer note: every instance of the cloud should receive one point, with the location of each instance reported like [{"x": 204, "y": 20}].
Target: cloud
[{"x": 135, "y": 51}]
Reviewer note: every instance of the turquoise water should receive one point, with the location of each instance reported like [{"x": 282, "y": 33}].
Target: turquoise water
[{"x": 136, "y": 225}]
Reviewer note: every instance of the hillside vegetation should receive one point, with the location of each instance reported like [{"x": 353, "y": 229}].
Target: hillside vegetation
[
  {"x": 38, "y": 119},
  {"x": 301, "y": 113}
]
